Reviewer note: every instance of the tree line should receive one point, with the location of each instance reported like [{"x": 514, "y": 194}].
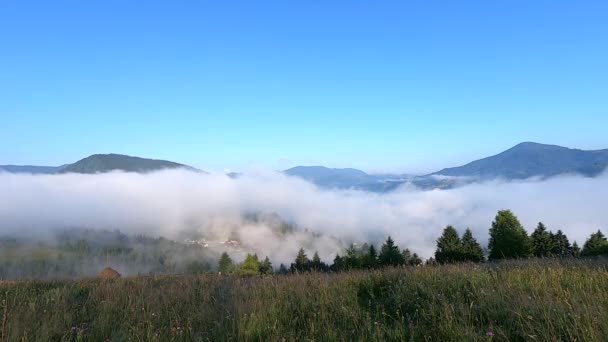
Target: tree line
[{"x": 508, "y": 240}]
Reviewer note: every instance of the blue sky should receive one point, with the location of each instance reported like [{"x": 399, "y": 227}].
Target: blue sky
[{"x": 378, "y": 85}]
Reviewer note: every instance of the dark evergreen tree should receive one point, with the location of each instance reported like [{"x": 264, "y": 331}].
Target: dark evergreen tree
[
  {"x": 576, "y": 250},
  {"x": 390, "y": 255},
  {"x": 317, "y": 264},
  {"x": 338, "y": 264},
  {"x": 266, "y": 266},
  {"x": 449, "y": 247},
  {"x": 352, "y": 259},
  {"x": 508, "y": 239},
  {"x": 283, "y": 269},
  {"x": 596, "y": 244},
  {"x": 471, "y": 249},
  {"x": 301, "y": 264},
  {"x": 542, "y": 242},
  {"x": 561, "y": 245},
  {"x": 225, "y": 265},
  {"x": 370, "y": 259}
]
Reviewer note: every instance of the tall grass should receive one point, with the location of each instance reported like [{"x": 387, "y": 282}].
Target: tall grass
[{"x": 518, "y": 301}]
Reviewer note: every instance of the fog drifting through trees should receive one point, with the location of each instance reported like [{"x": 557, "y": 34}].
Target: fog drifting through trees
[{"x": 176, "y": 203}]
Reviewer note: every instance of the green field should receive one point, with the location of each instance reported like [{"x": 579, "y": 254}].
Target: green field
[{"x": 530, "y": 300}]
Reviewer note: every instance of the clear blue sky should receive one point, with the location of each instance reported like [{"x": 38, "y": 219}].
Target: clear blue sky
[{"x": 377, "y": 85}]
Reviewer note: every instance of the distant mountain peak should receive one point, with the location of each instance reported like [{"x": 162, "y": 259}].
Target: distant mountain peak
[
  {"x": 99, "y": 163},
  {"x": 530, "y": 159}
]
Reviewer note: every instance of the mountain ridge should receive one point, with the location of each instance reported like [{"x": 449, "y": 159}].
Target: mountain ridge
[
  {"x": 531, "y": 159},
  {"x": 100, "y": 163},
  {"x": 524, "y": 160}
]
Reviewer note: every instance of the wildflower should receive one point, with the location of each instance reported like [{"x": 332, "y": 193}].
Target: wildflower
[{"x": 490, "y": 333}]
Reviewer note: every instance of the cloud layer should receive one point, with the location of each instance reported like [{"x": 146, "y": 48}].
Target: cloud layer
[{"x": 172, "y": 203}]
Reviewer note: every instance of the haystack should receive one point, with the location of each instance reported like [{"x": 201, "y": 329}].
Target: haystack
[{"x": 108, "y": 273}]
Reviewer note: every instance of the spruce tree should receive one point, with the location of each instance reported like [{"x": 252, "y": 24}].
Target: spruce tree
[
  {"x": 449, "y": 247},
  {"x": 338, "y": 264},
  {"x": 301, "y": 263},
  {"x": 371, "y": 257},
  {"x": 508, "y": 239},
  {"x": 561, "y": 245},
  {"x": 471, "y": 249},
  {"x": 225, "y": 264},
  {"x": 576, "y": 250},
  {"x": 266, "y": 266},
  {"x": 316, "y": 262},
  {"x": 596, "y": 244},
  {"x": 542, "y": 241},
  {"x": 352, "y": 258},
  {"x": 390, "y": 255}
]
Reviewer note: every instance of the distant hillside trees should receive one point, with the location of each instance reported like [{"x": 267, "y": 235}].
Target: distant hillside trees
[{"x": 508, "y": 238}]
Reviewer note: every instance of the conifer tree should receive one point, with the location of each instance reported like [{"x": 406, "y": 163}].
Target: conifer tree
[
  {"x": 471, "y": 249},
  {"x": 596, "y": 244},
  {"x": 449, "y": 247},
  {"x": 301, "y": 263},
  {"x": 542, "y": 242},
  {"x": 370, "y": 259},
  {"x": 316, "y": 262},
  {"x": 508, "y": 239},
  {"x": 266, "y": 266},
  {"x": 576, "y": 250},
  {"x": 390, "y": 255},
  {"x": 225, "y": 264},
  {"x": 338, "y": 264},
  {"x": 561, "y": 245}
]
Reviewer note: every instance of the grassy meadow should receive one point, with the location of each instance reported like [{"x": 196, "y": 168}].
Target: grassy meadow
[{"x": 532, "y": 300}]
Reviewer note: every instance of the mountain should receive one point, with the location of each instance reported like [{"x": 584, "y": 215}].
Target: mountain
[
  {"x": 347, "y": 178},
  {"x": 30, "y": 169},
  {"x": 522, "y": 161},
  {"x": 530, "y": 159},
  {"x": 99, "y": 163}
]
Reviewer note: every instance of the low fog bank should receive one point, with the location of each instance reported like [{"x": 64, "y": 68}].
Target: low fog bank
[{"x": 179, "y": 204}]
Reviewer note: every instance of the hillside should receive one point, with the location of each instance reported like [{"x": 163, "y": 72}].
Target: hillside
[
  {"x": 346, "y": 178},
  {"x": 529, "y": 159},
  {"x": 99, "y": 163}
]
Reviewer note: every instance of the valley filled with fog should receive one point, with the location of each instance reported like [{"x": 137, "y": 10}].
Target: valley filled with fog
[{"x": 272, "y": 214}]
